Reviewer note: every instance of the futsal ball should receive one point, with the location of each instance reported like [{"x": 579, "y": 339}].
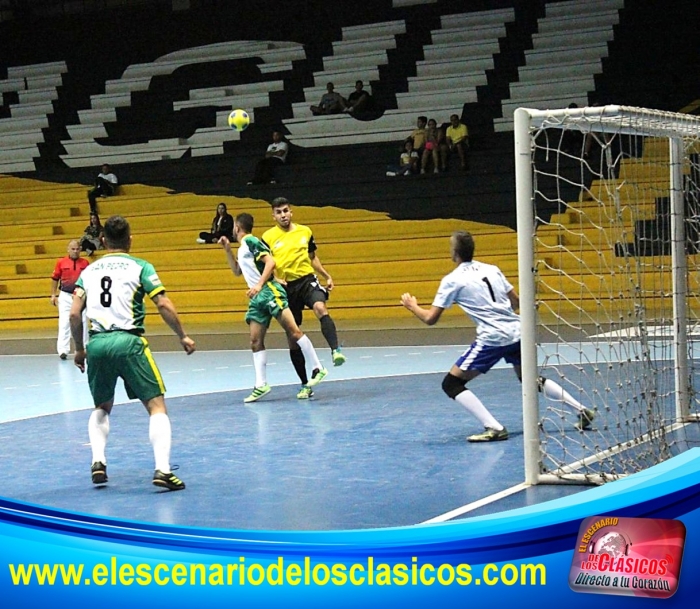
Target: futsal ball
[{"x": 238, "y": 120}]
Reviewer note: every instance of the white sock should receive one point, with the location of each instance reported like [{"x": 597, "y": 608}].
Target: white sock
[
  {"x": 309, "y": 352},
  {"x": 553, "y": 391},
  {"x": 160, "y": 434},
  {"x": 473, "y": 404},
  {"x": 98, "y": 430},
  {"x": 260, "y": 363}
]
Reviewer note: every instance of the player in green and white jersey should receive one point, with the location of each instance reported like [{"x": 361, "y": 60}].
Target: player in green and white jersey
[
  {"x": 268, "y": 299},
  {"x": 113, "y": 294}
]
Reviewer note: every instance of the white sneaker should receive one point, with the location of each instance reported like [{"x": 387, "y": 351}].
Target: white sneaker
[
  {"x": 200, "y": 240},
  {"x": 391, "y": 173}
]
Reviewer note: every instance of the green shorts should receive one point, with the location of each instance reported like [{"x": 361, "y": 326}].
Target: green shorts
[
  {"x": 111, "y": 355},
  {"x": 268, "y": 303}
]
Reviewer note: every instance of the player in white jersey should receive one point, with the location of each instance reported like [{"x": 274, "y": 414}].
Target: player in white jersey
[
  {"x": 113, "y": 294},
  {"x": 268, "y": 299},
  {"x": 484, "y": 294}
]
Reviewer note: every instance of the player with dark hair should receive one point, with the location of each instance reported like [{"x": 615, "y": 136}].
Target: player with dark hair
[
  {"x": 295, "y": 253},
  {"x": 485, "y": 295},
  {"x": 268, "y": 299},
  {"x": 112, "y": 290}
]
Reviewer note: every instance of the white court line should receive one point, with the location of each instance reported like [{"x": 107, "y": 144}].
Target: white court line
[{"x": 474, "y": 505}]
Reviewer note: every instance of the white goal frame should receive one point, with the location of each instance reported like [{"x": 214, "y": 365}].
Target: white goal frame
[{"x": 608, "y": 119}]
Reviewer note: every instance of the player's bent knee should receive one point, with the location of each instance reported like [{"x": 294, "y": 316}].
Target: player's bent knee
[{"x": 453, "y": 385}]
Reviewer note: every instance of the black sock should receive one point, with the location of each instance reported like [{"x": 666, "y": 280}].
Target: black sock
[
  {"x": 299, "y": 364},
  {"x": 329, "y": 332}
]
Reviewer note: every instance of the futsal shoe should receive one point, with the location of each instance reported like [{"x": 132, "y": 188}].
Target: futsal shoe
[
  {"x": 338, "y": 357},
  {"x": 318, "y": 375},
  {"x": 99, "y": 473},
  {"x": 169, "y": 481},
  {"x": 585, "y": 419},
  {"x": 305, "y": 393},
  {"x": 258, "y": 392},
  {"x": 489, "y": 435}
]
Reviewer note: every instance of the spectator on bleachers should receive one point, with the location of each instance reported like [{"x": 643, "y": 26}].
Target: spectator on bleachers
[
  {"x": 105, "y": 186},
  {"x": 221, "y": 226},
  {"x": 430, "y": 149},
  {"x": 359, "y": 101},
  {"x": 275, "y": 155},
  {"x": 418, "y": 134},
  {"x": 408, "y": 162},
  {"x": 92, "y": 238},
  {"x": 457, "y": 138},
  {"x": 331, "y": 102}
]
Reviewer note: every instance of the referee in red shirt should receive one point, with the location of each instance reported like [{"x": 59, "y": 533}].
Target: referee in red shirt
[{"x": 65, "y": 274}]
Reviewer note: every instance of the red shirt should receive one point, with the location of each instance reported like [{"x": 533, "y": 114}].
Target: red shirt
[{"x": 67, "y": 272}]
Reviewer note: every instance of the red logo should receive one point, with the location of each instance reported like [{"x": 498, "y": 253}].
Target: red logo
[{"x": 628, "y": 556}]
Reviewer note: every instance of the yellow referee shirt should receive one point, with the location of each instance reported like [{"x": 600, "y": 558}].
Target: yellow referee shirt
[{"x": 291, "y": 250}]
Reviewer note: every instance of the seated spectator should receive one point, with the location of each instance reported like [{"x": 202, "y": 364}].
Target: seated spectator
[
  {"x": 105, "y": 186},
  {"x": 430, "y": 149},
  {"x": 408, "y": 162},
  {"x": 359, "y": 100},
  {"x": 457, "y": 139},
  {"x": 221, "y": 226},
  {"x": 92, "y": 238},
  {"x": 331, "y": 102},
  {"x": 418, "y": 134},
  {"x": 275, "y": 155}
]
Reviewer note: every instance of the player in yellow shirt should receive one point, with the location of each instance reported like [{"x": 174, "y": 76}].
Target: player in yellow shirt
[
  {"x": 457, "y": 136},
  {"x": 297, "y": 263}
]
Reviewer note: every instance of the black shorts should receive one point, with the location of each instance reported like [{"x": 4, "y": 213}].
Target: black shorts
[{"x": 304, "y": 292}]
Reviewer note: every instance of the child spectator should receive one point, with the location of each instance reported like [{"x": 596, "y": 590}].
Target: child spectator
[
  {"x": 430, "y": 150},
  {"x": 408, "y": 162}
]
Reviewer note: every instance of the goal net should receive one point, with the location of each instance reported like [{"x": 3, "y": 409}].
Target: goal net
[{"x": 608, "y": 205}]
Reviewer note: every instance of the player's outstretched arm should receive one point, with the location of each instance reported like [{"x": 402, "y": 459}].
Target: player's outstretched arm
[
  {"x": 427, "y": 316},
  {"x": 265, "y": 276},
  {"x": 167, "y": 311},
  {"x": 76, "y": 327},
  {"x": 230, "y": 258}
]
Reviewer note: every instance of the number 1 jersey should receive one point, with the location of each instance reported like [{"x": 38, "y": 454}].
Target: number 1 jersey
[{"x": 481, "y": 291}]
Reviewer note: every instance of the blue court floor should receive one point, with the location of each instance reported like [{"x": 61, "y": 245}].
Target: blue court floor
[{"x": 379, "y": 445}]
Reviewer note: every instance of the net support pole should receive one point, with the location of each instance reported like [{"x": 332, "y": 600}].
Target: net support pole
[
  {"x": 526, "y": 271},
  {"x": 679, "y": 267}
]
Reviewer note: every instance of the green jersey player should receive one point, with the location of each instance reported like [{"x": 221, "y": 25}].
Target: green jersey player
[
  {"x": 113, "y": 295},
  {"x": 268, "y": 299}
]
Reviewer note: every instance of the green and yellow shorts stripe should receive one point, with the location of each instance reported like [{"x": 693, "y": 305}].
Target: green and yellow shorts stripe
[
  {"x": 114, "y": 355},
  {"x": 268, "y": 303}
]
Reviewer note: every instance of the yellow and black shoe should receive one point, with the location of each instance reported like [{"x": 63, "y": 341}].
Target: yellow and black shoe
[
  {"x": 489, "y": 435},
  {"x": 169, "y": 481},
  {"x": 585, "y": 419},
  {"x": 99, "y": 473}
]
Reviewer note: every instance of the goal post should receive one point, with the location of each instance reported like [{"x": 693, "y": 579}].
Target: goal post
[{"x": 608, "y": 223}]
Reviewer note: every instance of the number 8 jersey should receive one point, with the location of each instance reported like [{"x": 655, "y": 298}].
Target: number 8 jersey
[
  {"x": 115, "y": 287},
  {"x": 481, "y": 291}
]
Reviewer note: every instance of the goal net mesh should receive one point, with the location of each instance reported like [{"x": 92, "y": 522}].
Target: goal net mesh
[{"x": 608, "y": 288}]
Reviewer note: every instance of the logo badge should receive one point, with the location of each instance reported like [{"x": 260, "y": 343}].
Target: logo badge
[{"x": 628, "y": 556}]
